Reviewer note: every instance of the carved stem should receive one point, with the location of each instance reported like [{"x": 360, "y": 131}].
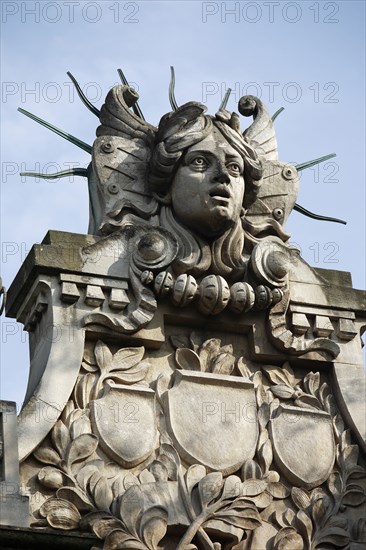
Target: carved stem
[
  {"x": 195, "y": 527},
  {"x": 205, "y": 539},
  {"x": 191, "y": 531}
]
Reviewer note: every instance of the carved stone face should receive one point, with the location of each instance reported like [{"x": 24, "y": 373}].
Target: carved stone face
[{"x": 208, "y": 188}]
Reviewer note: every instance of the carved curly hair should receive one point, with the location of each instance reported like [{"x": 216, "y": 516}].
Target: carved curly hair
[
  {"x": 187, "y": 126},
  {"x": 178, "y": 131}
]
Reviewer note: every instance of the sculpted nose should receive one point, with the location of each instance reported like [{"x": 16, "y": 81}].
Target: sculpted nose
[{"x": 222, "y": 174}]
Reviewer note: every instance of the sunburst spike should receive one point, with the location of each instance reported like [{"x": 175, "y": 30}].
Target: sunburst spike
[
  {"x": 122, "y": 77},
  {"x": 172, "y": 100},
  {"x": 82, "y": 96},
  {"x": 225, "y": 100},
  {"x": 309, "y": 214},
  {"x": 314, "y": 162},
  {"x": 57, "y": 131},
  {"x": 83, "y": 172},
  {"x": 136, "y": 109},
  {"x": 278, "y": 112}
]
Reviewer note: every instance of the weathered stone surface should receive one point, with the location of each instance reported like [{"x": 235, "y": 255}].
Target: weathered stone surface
[
  {"x": 223, "y": 412},
  {"x": 14, "y": 506},
  {"x": 201, "y": 385},
  {"x": 303, "y": 445},
  {"x": 125, "y": 422}
]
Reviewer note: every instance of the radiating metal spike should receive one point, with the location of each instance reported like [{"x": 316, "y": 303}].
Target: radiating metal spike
[
  {"x": 278, "y": 112},
  {"x": 122, "y": 77},
  {"x": 57, "y": 131},
  {"x": 172, "y": 100},
  {"x": 82, "y": 96},
  {"x": 83, "y": 172},
  {"x": 225, "y": 100},
  {"x": 309, "y": 214},
  {"x": 314, "y": 162}
]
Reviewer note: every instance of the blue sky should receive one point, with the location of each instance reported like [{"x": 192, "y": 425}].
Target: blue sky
[{"x": 308, "y": 57}]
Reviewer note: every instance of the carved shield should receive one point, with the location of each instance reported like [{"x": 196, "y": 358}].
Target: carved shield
[
  {"x": 125, "y": 422},
  {"x": 213, "y": 419},
  {"x": 303, "y": 445}
]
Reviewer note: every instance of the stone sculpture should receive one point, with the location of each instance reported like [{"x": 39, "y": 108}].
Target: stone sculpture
[{"x": 202, "y": 385}]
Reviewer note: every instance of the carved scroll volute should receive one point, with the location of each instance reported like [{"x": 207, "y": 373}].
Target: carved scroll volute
[
  {"x": 270, "y": 262},
  {"x": 57, "y": 335},
  {"x": 133, "y": 252}
]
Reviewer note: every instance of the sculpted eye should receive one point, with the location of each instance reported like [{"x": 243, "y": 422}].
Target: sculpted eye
[
  {"x": 234, "y": 168},
  {"x": 200, "y": 162}
]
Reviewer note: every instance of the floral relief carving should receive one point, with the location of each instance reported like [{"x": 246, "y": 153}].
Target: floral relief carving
[
  {"x": 191, "y": 444},
  {"x": 85, "y": 490},
  {"x": 209, "y": 356},
  {"x": 317, "y": 519}
]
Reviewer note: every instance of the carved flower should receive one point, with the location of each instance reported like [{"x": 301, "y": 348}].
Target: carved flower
[
  {"x": 208, "y": 357},
  {"x": 261, "y": 488},
  {"x": 284, "y": 386}
]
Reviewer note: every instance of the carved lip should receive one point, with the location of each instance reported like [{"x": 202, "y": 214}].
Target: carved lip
[{"x": 221, "y": 192}]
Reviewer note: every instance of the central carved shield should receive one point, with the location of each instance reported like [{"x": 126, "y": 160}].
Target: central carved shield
[
  {"x": 213, "y": 419},
  {"x": 125, "y": 422}
]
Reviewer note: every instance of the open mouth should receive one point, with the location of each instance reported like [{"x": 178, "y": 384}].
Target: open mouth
[{"x": 220, "y": 193}]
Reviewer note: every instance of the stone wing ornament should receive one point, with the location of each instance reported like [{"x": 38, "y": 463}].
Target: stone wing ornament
[
  {"x": 280, "y": 182},
  {"x": 120, "y": 159},
  {"x": 194, "y": 384}
]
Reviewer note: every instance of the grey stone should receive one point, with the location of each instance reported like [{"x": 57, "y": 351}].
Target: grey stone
[
  {"x": 197, "y": 377},
  {"x": 14, "y": 507}
]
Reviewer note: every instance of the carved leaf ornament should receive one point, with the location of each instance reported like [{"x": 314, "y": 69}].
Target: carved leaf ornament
[
  {"x": 229, "y": 454},
  {"x": 133, "y": 510}
]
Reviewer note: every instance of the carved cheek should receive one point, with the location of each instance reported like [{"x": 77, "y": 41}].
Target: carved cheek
[
  {"x": 238, "y": 191},
  {"x": 188, "y": 194}
]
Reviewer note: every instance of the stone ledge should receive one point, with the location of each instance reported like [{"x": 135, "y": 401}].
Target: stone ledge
[{"x": 34, "y": 539}]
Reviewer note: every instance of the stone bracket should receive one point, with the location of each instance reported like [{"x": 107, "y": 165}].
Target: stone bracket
[
  {"x": 94, "y": 291},
  {"x": 327, "y": 322},
  {"x": 36, "y": 312}
]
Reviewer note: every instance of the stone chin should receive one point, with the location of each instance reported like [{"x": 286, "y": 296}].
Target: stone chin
[
  {"x": 219, "y": 221},
  {"x": 221, "y": 215}
]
